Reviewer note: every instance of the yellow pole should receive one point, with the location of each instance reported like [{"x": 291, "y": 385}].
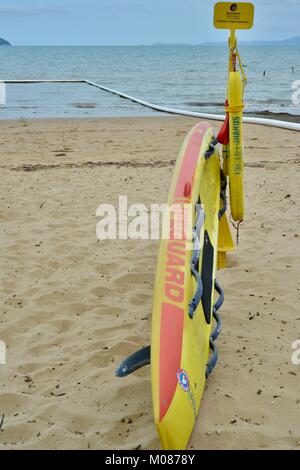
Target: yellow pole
[
  {"x": 232, "y": 39},
  {"x": 232, "y": 46}
]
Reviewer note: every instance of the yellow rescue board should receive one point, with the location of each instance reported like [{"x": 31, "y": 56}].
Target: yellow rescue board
[{"x": 180, "y": 344}]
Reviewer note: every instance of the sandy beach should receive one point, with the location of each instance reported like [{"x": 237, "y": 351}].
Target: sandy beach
[{"x": 73, "y": 306}]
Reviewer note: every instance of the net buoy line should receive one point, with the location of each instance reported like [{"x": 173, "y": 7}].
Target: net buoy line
[{"x": 292, "y": 126}]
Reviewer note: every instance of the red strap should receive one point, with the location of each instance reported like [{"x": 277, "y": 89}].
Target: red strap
[{"x": 223, "y": 136}]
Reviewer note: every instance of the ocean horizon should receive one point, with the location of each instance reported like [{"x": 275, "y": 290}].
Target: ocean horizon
[{"x": 188, "y": 77}]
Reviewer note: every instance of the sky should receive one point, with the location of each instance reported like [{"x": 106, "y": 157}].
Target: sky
[{"x": 126, "y": 22}]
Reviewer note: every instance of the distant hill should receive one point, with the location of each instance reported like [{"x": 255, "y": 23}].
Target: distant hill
[
  {"x": 292, "y": 41},
  {"x": 284, "y": 42},
  {"x": 179, "y": 44},
  {"x": 4, "y": 43}
]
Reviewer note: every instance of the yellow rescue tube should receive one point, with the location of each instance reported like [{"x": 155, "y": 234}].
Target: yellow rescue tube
[
  {"x": 180, "y": 344},
  {"x": 236, "y": 162}
]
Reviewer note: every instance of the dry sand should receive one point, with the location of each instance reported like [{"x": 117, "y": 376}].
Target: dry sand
[{"x": 72, "y": 307}]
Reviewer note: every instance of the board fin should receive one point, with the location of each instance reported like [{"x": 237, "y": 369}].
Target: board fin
[{"x": 134, "y": 362}]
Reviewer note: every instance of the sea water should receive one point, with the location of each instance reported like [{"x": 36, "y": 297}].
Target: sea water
[{"x": 187, "y": 77}]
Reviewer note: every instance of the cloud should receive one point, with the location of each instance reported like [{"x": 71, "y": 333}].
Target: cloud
[
  {"x": 278, "y": 2},
  {"x": 15, "y": 10},
  {"x": 257, "y": 3}
]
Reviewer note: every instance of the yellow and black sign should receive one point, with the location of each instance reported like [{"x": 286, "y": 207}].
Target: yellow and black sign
[{"x": 229, "y": 15}]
